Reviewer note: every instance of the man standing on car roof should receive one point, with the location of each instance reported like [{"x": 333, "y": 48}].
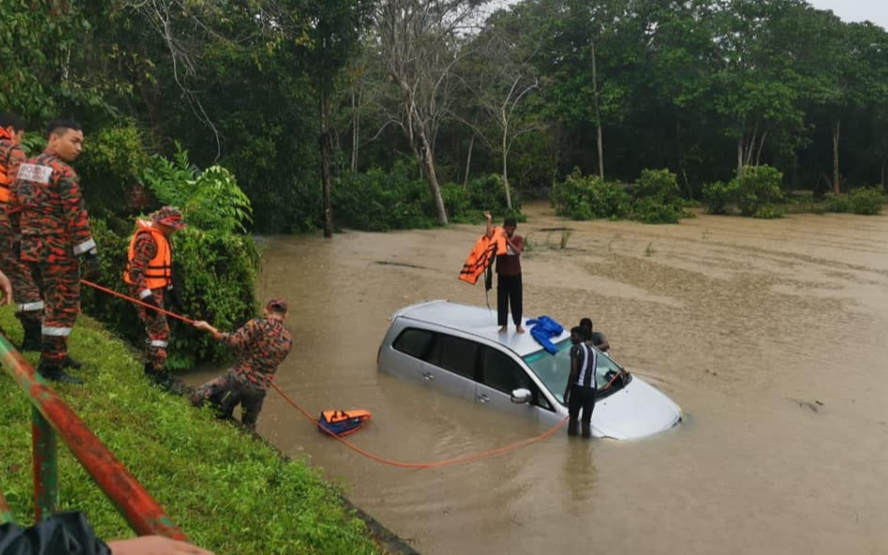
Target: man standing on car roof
[
  {"x": 264, "y": 343},
  {"x": 149, "y": 274},
  {"x": 509, "y": 289},
  {"x": 47, "y": 211}
]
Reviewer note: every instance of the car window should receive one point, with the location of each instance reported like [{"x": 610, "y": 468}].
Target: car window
[
  {"x": 454, "y": 354},
  {"x": 553, "y": 370},
  {"x": 413, "y": 342},
  {"x": 502, "y": 373}
]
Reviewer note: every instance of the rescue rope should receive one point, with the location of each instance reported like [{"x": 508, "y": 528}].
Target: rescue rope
[{"x": 376, "y": 458}]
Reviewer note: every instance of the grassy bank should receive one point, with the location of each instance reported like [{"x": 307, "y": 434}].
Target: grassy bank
[{"x": 229, "y": 493}]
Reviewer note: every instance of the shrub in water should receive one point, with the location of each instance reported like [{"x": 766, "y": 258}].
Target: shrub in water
[
  {"x": 590, "y": 197},
  {"x": 717, "y": 196},
  {"x": 756, "y": 187},
  {"x": 867, "y": 201}
]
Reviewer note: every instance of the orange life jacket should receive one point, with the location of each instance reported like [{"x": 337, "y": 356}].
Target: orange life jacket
[
  {"x": 483, "y": 254},
  {"x": 5, "y": 178},
  {"x": 159, "y": 272}
]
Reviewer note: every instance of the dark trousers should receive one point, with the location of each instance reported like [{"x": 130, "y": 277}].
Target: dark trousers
[
  {"x": 581, "y": 398},
  {"x": 226, "y": 392},
  {"x": 509, "y": 291}
]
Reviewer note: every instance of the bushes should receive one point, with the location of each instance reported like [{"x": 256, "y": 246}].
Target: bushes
[
  {"x": 866, "y": 201},
  {"x": 399, "y": 199},
  {"x": 652, "y": 199},
  {"x": 754, "y": 192},
  {"x": 380, "y": 201},
  {"x": 215, "y": 262}
]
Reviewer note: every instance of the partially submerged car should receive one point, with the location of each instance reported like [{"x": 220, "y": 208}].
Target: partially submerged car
[{"x": 457, "y": 349}]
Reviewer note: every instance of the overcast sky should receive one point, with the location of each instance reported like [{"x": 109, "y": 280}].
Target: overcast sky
[{"x": 856, "y": 10}]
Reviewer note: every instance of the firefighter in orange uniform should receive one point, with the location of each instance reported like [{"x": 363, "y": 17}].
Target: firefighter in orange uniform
[
  {"x": 29, "y": 305},
  {"x": 149, "y": 273},
  {"x": 47, "y": 211}
]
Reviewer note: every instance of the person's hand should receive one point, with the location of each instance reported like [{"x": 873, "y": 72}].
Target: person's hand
[
  {"x": 92, "y": 267},
  {"x": 154, "y": 545},
  {"x": 203, "y": 326},
  {"x": 488, "y": 216},
  {"x": 6, "y": 288}
]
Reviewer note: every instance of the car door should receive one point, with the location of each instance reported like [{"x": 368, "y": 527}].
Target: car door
[
  {"x": 499, "y": 376},
  {"x": 450, "y": 365}
]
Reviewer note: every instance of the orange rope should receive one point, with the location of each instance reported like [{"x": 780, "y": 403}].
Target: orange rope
[
  {"x": 137, "y": 301},
  {"x": 356, "y": 449},
  {"x": 446, "y": 462}
]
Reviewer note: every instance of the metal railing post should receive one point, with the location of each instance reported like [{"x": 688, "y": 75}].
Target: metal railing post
[{"x": 46, "y": 467}]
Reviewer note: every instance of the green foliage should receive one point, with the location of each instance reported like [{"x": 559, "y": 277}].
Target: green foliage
[
  {"x": 112, "y": 163},
  {"x": 33, "y": 143},
  {"x": 654, "y": 198},
  {"x": 381, "y": 201},
  {"x": 756, "y": 187},
  {"x": 840, "y": 204},
  {"x": 214, "y": 260},
  {"x": 866, "y": 201},
  {"x": 718, "y": 196},
  {"x": 210, "y": 200},
  {"x": 754, "y": 192},
  {"x": 769, "y": 212},
  {"x": 661, "y": 185},
  {"x": 231, "y": 494},
  {"x": 377, "y": 200},
  {"x": 589, "y": 197},
  {"x": 651, "y": 210}
]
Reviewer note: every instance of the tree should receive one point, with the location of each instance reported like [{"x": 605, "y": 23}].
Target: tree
[
  {"x": 501, "y": 78},
  {"x": 419, "y": 41}
]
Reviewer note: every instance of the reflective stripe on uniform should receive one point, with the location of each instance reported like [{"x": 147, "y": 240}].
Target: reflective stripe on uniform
[
  {"x": 29, "y": 307},
  {"x": 84, "y": 247},
  {"x": 56, "y": 332},
  {"x": 159, "y": 343}
]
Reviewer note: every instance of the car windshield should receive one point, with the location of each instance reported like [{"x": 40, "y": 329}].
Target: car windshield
[{"x": 553, "y": 370}]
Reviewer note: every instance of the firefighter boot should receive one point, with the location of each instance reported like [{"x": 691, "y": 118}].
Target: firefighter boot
[
  {"x": 33, "y": 340},
  {"x": 56, "y": 374},
  {"x": 587, "y": 430}
]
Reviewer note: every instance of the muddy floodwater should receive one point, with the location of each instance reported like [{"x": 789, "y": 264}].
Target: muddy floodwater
[{"x": 771, "y": 335}]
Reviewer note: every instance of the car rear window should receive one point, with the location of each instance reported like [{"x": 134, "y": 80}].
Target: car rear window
[{"x": 413, "y": 342}]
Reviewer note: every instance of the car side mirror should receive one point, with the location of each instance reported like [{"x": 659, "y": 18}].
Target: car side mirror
[{"x": 521, "y": 396}]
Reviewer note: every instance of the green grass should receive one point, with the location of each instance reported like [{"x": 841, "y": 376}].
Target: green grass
[{"x": 229, "y": 492}]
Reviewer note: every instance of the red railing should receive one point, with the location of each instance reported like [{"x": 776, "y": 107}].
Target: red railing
[{"x": 53, "y": 418}]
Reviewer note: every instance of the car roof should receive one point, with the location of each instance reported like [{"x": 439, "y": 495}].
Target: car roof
[{"x": 477, "y": 321}]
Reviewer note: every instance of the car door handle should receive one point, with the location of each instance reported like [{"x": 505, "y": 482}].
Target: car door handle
[
  {"x": 483, "y": 398},
  {"x": 428, "y": 376}
]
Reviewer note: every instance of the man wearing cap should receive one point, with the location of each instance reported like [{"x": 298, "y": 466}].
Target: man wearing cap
[
  {"x": 263, "y": 344},
  {"x": 149, "y": 274}
]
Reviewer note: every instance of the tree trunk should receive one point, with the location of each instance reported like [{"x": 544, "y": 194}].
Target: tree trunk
[
  {"x": 469, "y": 162},
  {"x": 740, "y": 155},
  {"x": 325, "y": 162},
  {"x": 597, "y": 112},
  {"x": 427, "y": 160},
  {"x": 356, "y": 132},
  {"x": 837, "y": 184},
  {"x": 505, "y": 148}
]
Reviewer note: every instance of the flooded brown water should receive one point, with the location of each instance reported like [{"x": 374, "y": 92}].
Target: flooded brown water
[{"x": 769, "y": 334}]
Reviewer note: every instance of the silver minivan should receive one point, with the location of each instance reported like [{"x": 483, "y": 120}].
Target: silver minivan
[{"x": 457, "y": 349}]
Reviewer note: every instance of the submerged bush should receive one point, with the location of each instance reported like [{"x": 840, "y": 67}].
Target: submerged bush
[
  {"x": 756, "y": 187},
  {"x": 589, "y": 197},
  {"x": 867, "y": 201}
]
